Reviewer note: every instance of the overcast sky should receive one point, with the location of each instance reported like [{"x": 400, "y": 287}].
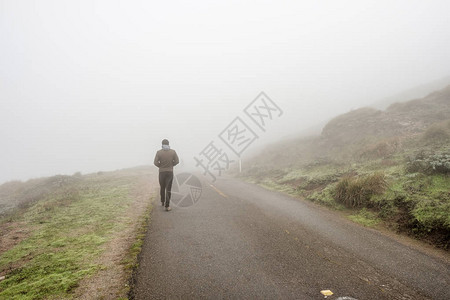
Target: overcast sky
[{"x": 96, "y": 85}]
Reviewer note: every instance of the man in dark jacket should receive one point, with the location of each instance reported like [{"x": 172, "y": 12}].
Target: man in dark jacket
[{"x": 165, "y": 160}]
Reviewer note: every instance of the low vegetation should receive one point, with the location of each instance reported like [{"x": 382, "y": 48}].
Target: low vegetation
[
  {"x": 390, "y": 167},
  {"x": 358, "y": 191},
  {"x": 60, "y": 228}
]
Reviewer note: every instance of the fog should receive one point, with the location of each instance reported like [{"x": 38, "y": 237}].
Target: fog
[{"x": 96, "y": 85}]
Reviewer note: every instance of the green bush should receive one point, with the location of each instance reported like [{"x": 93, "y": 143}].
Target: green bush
[
  {"x": 433, "y": 214},
  {"x": 385, "y": 203},
  {"x": 429, "y": 163},
  {"x": 357, "y": 191}
]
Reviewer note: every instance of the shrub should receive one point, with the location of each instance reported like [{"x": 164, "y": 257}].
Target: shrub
[
  {"x": 429, "y": 163},
  {"x": 433, "y": 214},
  {"x": 357, "y": 191}
]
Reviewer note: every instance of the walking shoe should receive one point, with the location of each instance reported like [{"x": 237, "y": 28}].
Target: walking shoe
[{"x": 168, "y": 208}]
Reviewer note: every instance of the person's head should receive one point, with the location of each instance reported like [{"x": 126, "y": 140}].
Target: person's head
[{"x": 165, "y": 144}]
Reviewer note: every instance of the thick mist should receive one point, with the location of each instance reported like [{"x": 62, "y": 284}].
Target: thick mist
[{"x": 96, "y": 85}]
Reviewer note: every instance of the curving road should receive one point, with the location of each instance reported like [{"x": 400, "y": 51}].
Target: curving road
[{"x": 241, "y": 241}]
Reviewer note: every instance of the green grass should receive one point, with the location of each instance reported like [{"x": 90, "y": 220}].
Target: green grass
[
  {"x": 326, "y": 197},
  {"x": 365, "y": 217},
  {"x": 274, "y": 186},
  {"x": 432, "y": 210},
  {"x": 130, "y": 262},
  {"x": 69, "y": 227}
]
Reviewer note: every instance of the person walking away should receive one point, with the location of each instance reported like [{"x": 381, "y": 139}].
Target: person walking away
[{"x": 165, "y": 160}]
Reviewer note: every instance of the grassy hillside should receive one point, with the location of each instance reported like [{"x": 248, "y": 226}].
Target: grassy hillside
[
  {"x": 389, "y": 166},
  {"x": 72, "y": 236}
]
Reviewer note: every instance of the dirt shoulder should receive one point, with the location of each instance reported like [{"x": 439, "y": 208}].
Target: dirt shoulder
[{"x": 112, "y": 280}]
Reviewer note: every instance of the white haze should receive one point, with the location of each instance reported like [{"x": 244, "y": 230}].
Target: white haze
[{"x": 96, "y": 85}]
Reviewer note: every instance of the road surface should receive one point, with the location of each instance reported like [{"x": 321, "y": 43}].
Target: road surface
[{"x": 241, "y": 241}]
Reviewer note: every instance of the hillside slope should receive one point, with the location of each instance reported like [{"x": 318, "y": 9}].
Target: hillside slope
[
  {"x": 399, "y": 119},
  {"x": 391, "y": 166},
  {"x": 413, "y": 93},
  {"x": 74, "y": 236}
]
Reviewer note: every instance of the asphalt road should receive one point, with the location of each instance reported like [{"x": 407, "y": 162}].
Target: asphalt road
[{"x": 241, "y": 241}]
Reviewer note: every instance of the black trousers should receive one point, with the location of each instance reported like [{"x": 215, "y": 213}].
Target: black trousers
[{"x": 165, "y": 182}]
